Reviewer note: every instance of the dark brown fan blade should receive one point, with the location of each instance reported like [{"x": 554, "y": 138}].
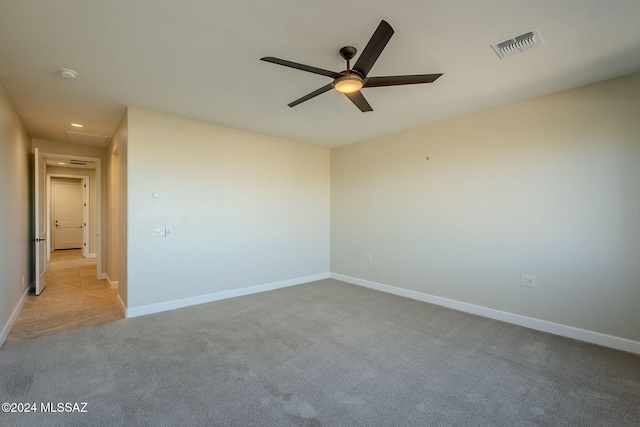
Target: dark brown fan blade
[
  {"x": 360, "y": 101},
  {"x": 400, "y": 80},
  {"x": 313, "y": 94},
  {"x": 374, "y": 48},
  {"x": 302, "y": 67}
]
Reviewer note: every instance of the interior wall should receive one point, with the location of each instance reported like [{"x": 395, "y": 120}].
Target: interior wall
[
  {"x": 16, "y": 217},
  {"x": 114, "y": 217},
  {"x": 462, "y": 208},
  {"x": 117, "y": 212},
  {"x": 244, "y": 209},
  {"x": 93, "y": 218}
]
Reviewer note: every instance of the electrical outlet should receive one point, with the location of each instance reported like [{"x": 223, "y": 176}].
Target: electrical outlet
[
  {"x": 167, "y": 231},
  {"x": 528, "y": 280},
  {"x": 368, "y": 257}
]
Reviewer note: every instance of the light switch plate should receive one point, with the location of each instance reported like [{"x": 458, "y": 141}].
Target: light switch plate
[
  {"x": 528, "y": 280},
  {"x": 158, "y": 232}
]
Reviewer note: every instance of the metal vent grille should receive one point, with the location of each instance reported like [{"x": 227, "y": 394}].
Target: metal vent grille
[
  {"x": 85, "y": 164},
  {"x": 518, "y": 43}
]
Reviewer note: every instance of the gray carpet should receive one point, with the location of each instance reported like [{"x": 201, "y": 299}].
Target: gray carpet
[{"x": 320, "y": 354}]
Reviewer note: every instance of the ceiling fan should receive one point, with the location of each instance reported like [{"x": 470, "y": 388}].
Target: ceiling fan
[{"x": 351, "y": 80}]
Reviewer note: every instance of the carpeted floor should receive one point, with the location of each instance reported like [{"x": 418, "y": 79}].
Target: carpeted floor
[{"x": 320, "y": 354}]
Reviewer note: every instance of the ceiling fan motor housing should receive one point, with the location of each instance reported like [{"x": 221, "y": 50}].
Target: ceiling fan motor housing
[{"x": 348, "y": 52}]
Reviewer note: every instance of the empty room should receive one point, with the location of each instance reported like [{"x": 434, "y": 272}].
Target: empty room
[{"x": 320, "y": 214}]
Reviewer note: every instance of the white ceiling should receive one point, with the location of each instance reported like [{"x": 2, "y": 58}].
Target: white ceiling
[{"x": 200, "y": 59}]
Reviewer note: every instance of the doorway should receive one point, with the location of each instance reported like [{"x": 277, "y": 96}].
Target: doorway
[
  {"x": 88, "y": 169},
  {"x": 77, "y": 294},
  {"x": 69, "y": 213}
]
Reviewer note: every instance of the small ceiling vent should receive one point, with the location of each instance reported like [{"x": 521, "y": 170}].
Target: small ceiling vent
[
  {"x": 519, "y": 43},
  {"x": 85, "y": 164},
  {"x": 87, "y": 138}
]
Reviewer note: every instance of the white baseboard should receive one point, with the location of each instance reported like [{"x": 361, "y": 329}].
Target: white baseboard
[
  {"x": 112, "y": 284},
  {"x": 92, "y": 255},
  {"x": 516, "y": 319},
  {"x": 216, "y": 296},
  {"x": 12, "y": 319}
]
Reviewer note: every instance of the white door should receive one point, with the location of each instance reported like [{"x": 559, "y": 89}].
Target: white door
[
  {"x": 40, "y": 222},
  {"x": 68, "y": 215}
]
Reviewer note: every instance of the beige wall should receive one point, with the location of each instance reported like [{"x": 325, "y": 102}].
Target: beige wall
[
  {"x": 113, "y": 225},
  {"x": 462, "y": 208},
  {"x": 16, "y": 219},
  {"x": 117, "y": 216},
  {"x": 246, "y": 208},
  {"x": 68, "y": 148}
]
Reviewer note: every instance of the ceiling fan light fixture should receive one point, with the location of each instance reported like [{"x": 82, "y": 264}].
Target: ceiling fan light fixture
[{"x": 348, "y": 84}]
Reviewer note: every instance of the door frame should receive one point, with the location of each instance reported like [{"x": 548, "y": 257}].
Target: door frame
[
  {"x": 98, "y": 182},
  {"x": 86, "y": 218},
  {"x": 41, "y": 235}
]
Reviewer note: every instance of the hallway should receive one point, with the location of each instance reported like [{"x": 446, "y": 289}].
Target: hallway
[{"x": 72, "y": 299}]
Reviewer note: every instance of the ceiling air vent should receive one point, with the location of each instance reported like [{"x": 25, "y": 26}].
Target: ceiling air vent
[
  {"x": 85, "y": 164},
  {"x": 87, "y": 138},
  {"x": 519, "y": 43}
]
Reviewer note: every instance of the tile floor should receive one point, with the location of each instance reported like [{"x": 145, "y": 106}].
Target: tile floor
[{"x": 72, "y": 299}]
